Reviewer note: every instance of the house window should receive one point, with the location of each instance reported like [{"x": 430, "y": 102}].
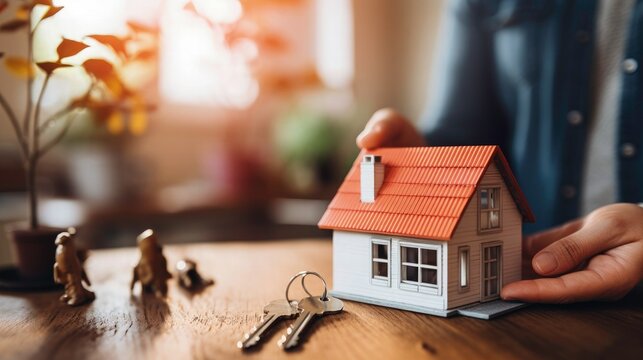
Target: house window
[
  {"x": 463, "y": 259},
  {"x": 420, "y": 268},
  {"x": 489, "y": 208},
  {"x": 381, "y": 262}
]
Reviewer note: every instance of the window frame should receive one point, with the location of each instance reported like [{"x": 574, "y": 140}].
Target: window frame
[
  {"x": 499, "y": 277},
  {"x": 488, "y": 188},
  {"x": 419, "y": 286},
  {"x": 464, "y": 249},
  {"x": 376, "y": 279}
]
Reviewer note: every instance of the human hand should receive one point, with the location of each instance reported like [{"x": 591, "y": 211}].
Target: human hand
[
  {"x": 599, "y": 257},
  {"x": 388, "y": 128}
]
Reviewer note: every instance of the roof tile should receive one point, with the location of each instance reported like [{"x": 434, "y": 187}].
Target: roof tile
[{"x": 424, "y": 194}]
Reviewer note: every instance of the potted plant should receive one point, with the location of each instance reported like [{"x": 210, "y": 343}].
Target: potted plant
[{"x": 107, "y": 99}]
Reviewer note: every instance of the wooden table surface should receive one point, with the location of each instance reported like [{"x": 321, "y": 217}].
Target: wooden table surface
[{"x": 208, "y": 324}]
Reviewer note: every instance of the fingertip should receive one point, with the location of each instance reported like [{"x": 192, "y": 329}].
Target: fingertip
[
  {"x": 370, "y": 137},
  {"x": 523, "y": 290},
  {"x": 510, "y": 292},
  {"x": 544, "y": 263},
  {"x": 507, "y": 294}
]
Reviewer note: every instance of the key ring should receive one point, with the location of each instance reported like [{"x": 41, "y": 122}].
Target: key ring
[{"x": 303, "y": 275}]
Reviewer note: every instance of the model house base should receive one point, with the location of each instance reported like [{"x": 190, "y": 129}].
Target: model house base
[
  {"x": 484, "y": 311},
  {"x": 435, "y": 230}
]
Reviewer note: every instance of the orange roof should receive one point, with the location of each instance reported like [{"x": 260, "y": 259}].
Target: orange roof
[{"x": 424, "y": 194}]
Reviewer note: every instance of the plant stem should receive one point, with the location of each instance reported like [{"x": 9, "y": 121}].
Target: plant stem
[
  {"x": 32, "y": 164},
  {"x": 31, "y": 191},
  {"x": 27, "y": 119},
  {"x": 16, "y": 127},
  {"x": 36, "y": 124},
  {"x": 66, "y": 111},
  {"x": 56, "y": 139},
  {"x": 29, "y": 132},
  {"x": 50, "y": 120}
]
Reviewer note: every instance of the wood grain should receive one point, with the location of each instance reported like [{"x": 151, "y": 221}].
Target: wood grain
[{"x": 247, "y": 275}]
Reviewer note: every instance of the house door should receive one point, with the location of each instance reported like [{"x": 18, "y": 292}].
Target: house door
[{"x": 491, "y": 271}]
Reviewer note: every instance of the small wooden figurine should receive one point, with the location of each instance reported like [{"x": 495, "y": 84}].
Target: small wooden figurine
[
  {"x": 151, "y": 269},
  {"x": 69, "y": 271},
  {"x": 189, "y": 277}
]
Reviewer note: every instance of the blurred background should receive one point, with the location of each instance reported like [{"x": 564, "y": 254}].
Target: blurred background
[{"x": 241, "y": 115}]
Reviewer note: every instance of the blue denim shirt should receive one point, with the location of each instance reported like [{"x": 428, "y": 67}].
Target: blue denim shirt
[{"x": 510, "y": 72}]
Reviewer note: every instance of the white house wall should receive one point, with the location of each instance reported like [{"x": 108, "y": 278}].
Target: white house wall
[
  {"x": 467, "y": 234},
  {"x": 352, "y": 270}
]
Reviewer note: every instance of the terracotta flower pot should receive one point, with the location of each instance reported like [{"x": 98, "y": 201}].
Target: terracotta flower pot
[{"x": 34, "y": 251}]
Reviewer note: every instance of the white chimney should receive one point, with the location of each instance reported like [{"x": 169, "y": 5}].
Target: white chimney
[{"x": 371, "y": 177}]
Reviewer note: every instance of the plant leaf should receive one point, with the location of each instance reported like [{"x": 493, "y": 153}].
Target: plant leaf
[
  {"x": 138, "y": 117},
  {"x": 145, "y": 55},
  {"x": 117, "y": 44},
  {"x": 23, "y": 12},
  {"x": 114, "y": 85},
  {"x": 189, "y": 6},
  {"x": 53, "y": 10},
  {"x": 13, "y": 25},
  {"x": 49, "y": 67},
  {"x": 99, "y": 68},
  {"x": 19, "y": 67},
  {"x": 115, "y": 123},
  {"x": 68, "y": 48},
  {"x": 138, "y": 27}
]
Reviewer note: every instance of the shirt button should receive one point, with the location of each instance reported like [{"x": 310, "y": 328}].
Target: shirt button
[
  {"x": 630, "y": 65},
  {"x": 568, "y": 191},
  {"x": 574, "y": 117},
  {"x": 628, "y": 150}
]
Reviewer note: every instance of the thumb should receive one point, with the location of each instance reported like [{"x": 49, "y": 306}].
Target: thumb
[
  {"x": 383, "y": 126},
  {"x": 567, "y": 253}
]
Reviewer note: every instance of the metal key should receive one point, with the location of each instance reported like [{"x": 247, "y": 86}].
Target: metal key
[
  {"x": 311, "y": 307},
  {"x": 275, "y": 310}
]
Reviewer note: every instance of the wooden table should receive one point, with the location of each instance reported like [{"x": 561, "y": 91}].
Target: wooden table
[{"x": 208, "y": 324}]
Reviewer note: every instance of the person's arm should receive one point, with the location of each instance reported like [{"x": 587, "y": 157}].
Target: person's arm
[{"x": 464, "y": 106}]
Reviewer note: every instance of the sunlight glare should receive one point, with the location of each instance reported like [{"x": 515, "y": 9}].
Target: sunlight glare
[{"x": 197, "y": 66}]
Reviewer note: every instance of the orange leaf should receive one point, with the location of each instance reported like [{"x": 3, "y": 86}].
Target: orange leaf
[
  {"x": 145, "y": 55},
  {"x": 272, "y": 42},
  {"x": 189, "y": 6},
  {"x": 68, "y": 48},
  {"x": 53, "y": 10},
  {"x": 19, "y": 67},
  {"x": 114, "y": 85},
  {"x": 138, "y": 27},
  {"x": 98, "y": 68},
  {"x": 49, "y": 67},
  {"x": 117, "y": 44},
  {"x": 115, "y": 122},
  {"x": 138, "y": 117},
  {"x": 13, "y": 25},
  {"x": 23, "y": 12}
]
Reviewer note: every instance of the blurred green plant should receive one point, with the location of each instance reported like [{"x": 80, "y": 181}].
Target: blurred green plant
[
  {"x": 305, "y": 141},
  {"x": 107, "y": 98}
]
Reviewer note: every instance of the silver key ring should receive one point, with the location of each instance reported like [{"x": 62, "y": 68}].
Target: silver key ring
[{"x": 303, "y": 275}]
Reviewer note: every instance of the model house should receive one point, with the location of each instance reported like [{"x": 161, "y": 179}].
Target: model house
[{"x": 427, "y": 229}]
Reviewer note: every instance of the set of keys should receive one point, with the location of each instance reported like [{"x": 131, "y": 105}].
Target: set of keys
[{"x": 305, "y": 311}]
